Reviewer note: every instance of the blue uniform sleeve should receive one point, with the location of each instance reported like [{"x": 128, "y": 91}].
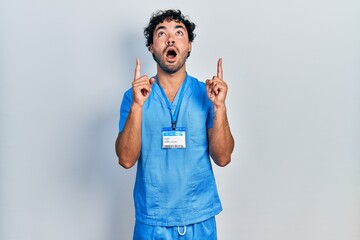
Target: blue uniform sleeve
[
  {"x": 125, "y": 108},
  {"x": 207, "y": 106},
  {"x": 210, "y": 116}
]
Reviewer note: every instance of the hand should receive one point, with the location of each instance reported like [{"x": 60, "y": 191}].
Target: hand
[
  {"x": 216, "y": 88},
  {"x": 141, "y": 86}
]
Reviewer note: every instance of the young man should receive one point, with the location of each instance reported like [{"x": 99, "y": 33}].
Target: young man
[{"x": 170, "y": 125}]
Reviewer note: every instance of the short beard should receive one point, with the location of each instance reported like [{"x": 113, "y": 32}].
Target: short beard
[{"x": 167, "y": 69}]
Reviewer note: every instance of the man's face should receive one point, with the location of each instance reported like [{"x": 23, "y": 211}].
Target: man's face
[{"x": 170, "y": 46}]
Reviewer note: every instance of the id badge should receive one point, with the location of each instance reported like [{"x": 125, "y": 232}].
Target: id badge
[{"x": 174, "y": 138}]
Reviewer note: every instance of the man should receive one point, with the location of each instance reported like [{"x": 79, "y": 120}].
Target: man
[{"x": 170, "y": 124}]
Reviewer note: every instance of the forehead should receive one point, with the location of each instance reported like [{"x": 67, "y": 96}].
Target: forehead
[{"x": 170, "y": 24}]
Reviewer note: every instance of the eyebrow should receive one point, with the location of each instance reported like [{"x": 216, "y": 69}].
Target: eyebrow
[{"x": 163, "y": 27}]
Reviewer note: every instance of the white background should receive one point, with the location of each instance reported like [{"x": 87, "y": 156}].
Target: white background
[{"x": 293, "y": 70}]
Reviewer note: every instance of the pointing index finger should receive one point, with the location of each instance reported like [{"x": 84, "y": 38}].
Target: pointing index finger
[
  {"x": 137, "y": 69},
  {"x": 219, "y": 69}
]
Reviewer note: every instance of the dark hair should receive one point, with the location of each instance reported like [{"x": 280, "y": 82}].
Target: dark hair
[{"x": 160, "y": 16}]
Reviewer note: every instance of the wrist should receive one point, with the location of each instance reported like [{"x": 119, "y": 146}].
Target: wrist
[
  {"x": 221, "y": 108},
  {"x": 219, "y": 113},
  {"x": 135, "y": 107}
]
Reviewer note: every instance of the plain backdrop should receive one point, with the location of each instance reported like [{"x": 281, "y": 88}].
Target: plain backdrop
[{"x": 293, "y": 71}]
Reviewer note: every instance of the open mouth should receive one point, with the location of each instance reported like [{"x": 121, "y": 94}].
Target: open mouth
[{"x": 171, "y": 54}]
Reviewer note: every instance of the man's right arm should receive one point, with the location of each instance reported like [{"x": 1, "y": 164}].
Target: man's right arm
[{"x": 128, "y": 142}]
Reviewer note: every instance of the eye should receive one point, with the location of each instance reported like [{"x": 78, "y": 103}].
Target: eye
[
  {"x": 180, "y": 33},
  {"x": 160, "y": 34}
]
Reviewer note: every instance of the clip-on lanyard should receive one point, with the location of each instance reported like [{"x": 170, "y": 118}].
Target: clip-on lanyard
[{"x": 174, "y": 117}]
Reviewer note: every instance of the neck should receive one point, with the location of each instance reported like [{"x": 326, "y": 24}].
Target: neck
[{"x": 171, "y": 83}]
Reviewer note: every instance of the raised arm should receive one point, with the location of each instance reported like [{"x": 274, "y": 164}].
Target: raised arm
[
  {"x": 221, "y": 141},
  {"x": 128, "y": 142}
]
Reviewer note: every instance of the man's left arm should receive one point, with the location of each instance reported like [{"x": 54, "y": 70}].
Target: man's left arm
[{"x": 221, "y": 141}]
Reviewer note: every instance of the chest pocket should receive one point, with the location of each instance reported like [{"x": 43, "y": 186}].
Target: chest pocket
[{"x": 197, "y": 129}]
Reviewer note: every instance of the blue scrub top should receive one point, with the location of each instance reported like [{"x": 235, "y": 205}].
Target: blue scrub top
[{"x": 174, "y": 187}]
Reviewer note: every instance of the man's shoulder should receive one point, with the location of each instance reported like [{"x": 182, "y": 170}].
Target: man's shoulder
[
  {"x": 128, "y": 92},
  {"x": 195, "y": 82},
  {"x": 192, "y": 78},
  {"x": 127, "y": 95}
]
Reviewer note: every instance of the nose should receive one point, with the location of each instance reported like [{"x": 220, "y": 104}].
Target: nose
[{"x": 170, "y": 42}]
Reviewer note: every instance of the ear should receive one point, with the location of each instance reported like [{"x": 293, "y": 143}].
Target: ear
[
  {"x": 190, "y": 46},
  {"x": 151, "y": 48}
]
